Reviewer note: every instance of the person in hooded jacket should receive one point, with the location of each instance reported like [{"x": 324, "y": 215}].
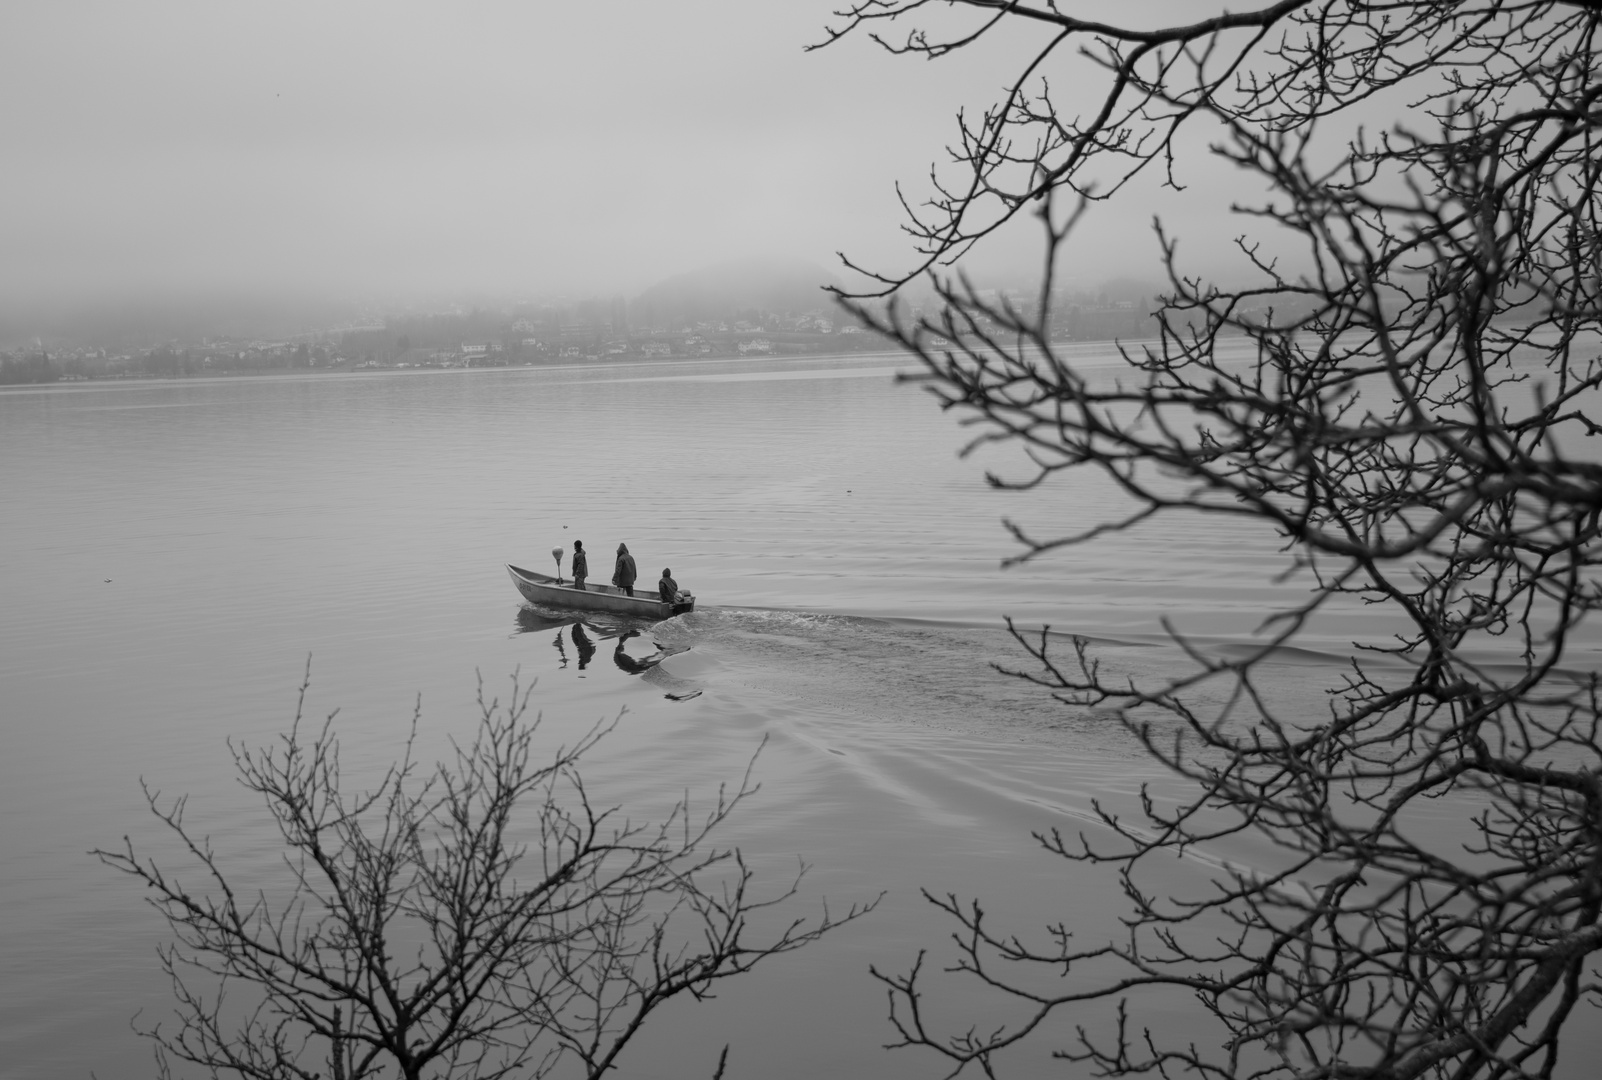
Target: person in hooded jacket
[
  {"x": 623, "y": 576},
  {"x": 667, "y": 588}
]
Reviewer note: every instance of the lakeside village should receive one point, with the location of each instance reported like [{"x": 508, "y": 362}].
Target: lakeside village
[{"x": 592, "y": 331}]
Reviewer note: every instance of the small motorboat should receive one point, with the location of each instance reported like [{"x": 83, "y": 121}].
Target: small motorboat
[{"x": 544, "y": 590}]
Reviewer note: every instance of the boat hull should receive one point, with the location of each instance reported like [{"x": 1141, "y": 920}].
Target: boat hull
[{"x": 542, "y": 589}]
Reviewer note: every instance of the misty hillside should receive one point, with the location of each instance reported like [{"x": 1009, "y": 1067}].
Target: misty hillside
[{"x": 727, "y": 289}]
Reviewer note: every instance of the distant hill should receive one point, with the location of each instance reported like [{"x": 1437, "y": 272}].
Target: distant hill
[{"x": 725, "y": 290}]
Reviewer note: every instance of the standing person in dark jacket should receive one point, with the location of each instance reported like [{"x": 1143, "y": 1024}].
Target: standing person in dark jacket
[
  {"x": 581, "y": 565},
  {"x": 623, "y": 577},
  {"x": 667, "y": 588}
]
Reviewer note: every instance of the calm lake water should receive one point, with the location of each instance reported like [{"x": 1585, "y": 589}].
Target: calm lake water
[{"x": 174, "y": 552}]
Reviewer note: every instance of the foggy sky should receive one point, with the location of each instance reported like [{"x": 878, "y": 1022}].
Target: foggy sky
[{"x": 396, "y": 148}]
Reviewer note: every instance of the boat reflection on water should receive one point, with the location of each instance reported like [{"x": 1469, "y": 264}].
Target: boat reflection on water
[
  {"x": 531, "y": 620},
  {"x": 583, "y": 638},
  {"x": 604, "y": 626},
  {"x": 633, "y": 666},
  {"x": 581, "y": 644}
]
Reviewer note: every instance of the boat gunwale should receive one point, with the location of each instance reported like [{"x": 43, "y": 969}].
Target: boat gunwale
[{"x": 644, "y": 604}]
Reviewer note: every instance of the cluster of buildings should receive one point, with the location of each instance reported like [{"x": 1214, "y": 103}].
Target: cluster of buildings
[{"x": 590, "y": 330}]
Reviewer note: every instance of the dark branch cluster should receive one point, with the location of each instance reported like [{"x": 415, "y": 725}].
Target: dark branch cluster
[
  {"x": 1276, "y": 70},
  {"x": 481, "y": 919},
  {"x": 1407, "y": 408}
]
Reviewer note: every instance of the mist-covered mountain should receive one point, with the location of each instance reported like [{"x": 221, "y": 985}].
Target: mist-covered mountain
[{"x": 725, "y": 290}]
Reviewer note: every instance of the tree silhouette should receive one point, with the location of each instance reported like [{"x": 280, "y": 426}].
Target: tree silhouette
[
  {"x": 1410, "y": 424},
  {"x": 482, "y": 919}
]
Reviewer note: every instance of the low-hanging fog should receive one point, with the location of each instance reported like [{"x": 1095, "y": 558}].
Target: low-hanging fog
[{"x": 388, "y": 150}]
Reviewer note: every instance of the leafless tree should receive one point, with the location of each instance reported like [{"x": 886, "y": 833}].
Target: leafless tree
[
  {"x": 1410, "y": 424},
  {"x": 481, "y": 919}
]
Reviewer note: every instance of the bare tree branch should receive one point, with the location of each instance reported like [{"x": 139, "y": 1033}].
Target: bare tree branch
[
  {"x": 482, "y": 919},
  {"x": 1410, "y": 424}
]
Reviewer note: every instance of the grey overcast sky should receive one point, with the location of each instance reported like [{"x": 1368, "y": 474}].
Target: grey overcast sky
[{"x": 369, "y": 148}]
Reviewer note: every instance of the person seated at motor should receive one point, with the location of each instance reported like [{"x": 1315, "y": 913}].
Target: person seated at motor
[
  {"x": 667, "y": 588},
  {"x": 581, "y": 565},
  {"x": 623, "y": 576}
]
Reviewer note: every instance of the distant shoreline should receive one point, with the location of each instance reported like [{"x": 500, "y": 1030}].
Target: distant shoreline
[{"x": 353, "y": 373}]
